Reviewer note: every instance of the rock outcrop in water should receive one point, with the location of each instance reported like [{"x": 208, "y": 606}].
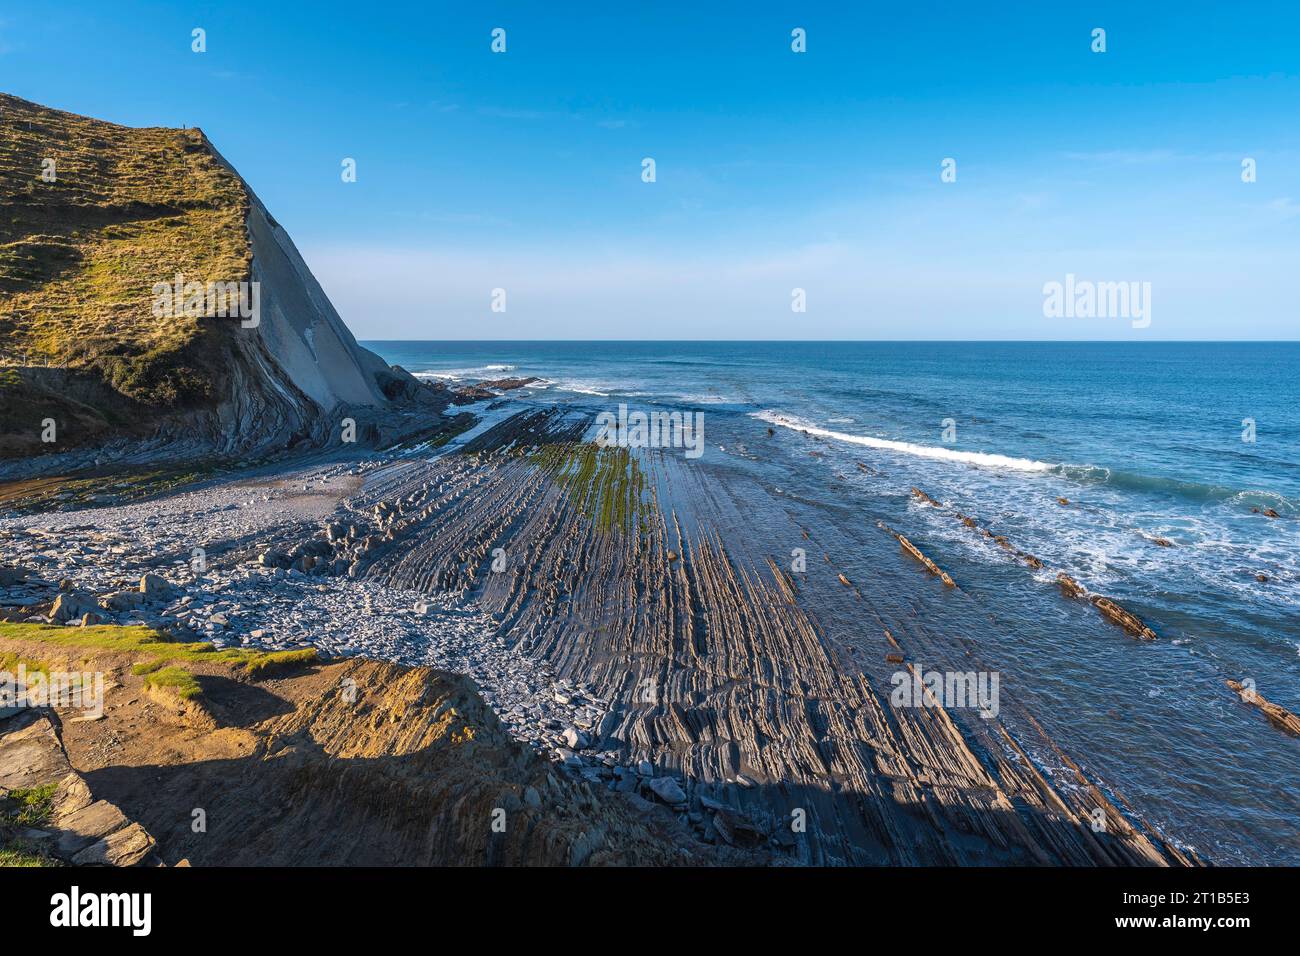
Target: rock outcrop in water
[{"x": 1277, "y": 715}]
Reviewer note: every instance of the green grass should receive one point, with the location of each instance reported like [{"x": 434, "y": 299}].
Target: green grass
[
  {"x": 457, "y": 426},
  {"x": 79, "y": 256},
  {"x": 115, "y": 487},
  {"x": 27, "y": 807},
  {"x": 175, "y": 679},
  {"x": 265, "y": 663},
  {"x": 156, "y": 649},
  {"x": 9, "y": 661},
  {"x": 15, "y": 854}
]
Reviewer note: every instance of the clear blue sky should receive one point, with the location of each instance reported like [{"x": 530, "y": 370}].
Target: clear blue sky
[{"x": 775, "y": 170}]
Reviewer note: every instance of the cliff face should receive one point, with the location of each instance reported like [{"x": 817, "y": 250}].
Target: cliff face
[{"x": 95, "y": 219}]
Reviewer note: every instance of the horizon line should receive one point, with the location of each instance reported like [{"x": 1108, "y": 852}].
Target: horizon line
[{"x": 881, "y": 341}]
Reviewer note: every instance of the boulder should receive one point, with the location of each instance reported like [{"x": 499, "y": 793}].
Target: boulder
[
  {"x": 738, "y": 830},
  {"x": 274, "y": 558},
  {"x": 123, "y": 601},
  {"x": 668, "y": 790},
  {"x": 156, "y": 588},
  {"x": 71, "y": 605}
]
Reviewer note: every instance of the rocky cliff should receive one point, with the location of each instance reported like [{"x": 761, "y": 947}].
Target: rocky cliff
[
  {"x": 305, "y": 762},
  {"x": 101, "y": 224}
]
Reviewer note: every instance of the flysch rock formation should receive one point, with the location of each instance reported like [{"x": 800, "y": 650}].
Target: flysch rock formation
[
  {"x": 631, "y": 616},
  {"x": 644, "y": 580}
]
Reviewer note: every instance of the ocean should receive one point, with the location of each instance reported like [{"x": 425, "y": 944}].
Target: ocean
[{"x": 1188, "y": 443}]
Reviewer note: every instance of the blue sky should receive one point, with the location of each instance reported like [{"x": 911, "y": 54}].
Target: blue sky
[{"x": 775, "y": 170}]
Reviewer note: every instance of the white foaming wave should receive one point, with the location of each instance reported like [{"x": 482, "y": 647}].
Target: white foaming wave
[
  {"x": 581, "y": 388},
  {"x": 456, "y": 374},
  {"x": 455, "y": 377},
  {"x": 979, "y": 458}
]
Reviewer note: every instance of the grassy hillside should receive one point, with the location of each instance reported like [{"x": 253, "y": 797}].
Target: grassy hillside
[{"x": 79, "y": 256}]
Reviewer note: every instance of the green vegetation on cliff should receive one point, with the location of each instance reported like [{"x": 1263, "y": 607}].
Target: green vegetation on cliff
[
  {"x": 160, "y": 656},
  {"x": 95, "y": 214}
]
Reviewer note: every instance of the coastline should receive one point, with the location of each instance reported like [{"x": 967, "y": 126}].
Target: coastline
[{"x": 641, "y": 629}]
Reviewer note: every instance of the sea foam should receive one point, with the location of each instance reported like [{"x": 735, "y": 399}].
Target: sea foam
[{"x": 979, "y": 458}]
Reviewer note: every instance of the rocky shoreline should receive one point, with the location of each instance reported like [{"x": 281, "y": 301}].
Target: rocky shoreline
[
  {"x": 64, "y": 569},
  {"x": 620, "y": 619}
]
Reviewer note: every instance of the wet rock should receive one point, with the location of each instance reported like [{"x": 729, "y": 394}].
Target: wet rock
[
  {"x": 933, "y": 568},
  {"x": 1071, "y": 587},
  {"x": 1278, "y": 716},
  {"x": 1125, "y": 619},
  {"x": 922, "y": 496}
]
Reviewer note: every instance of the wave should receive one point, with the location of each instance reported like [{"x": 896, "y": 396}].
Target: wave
[
  {"x": 457, "y": 374},
  {"x": 982, "y": 459},
  {"x": 1081, "y": 474},
  {"x": 1190, "y": 490},
  {"x": 581, "y": 388}
]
